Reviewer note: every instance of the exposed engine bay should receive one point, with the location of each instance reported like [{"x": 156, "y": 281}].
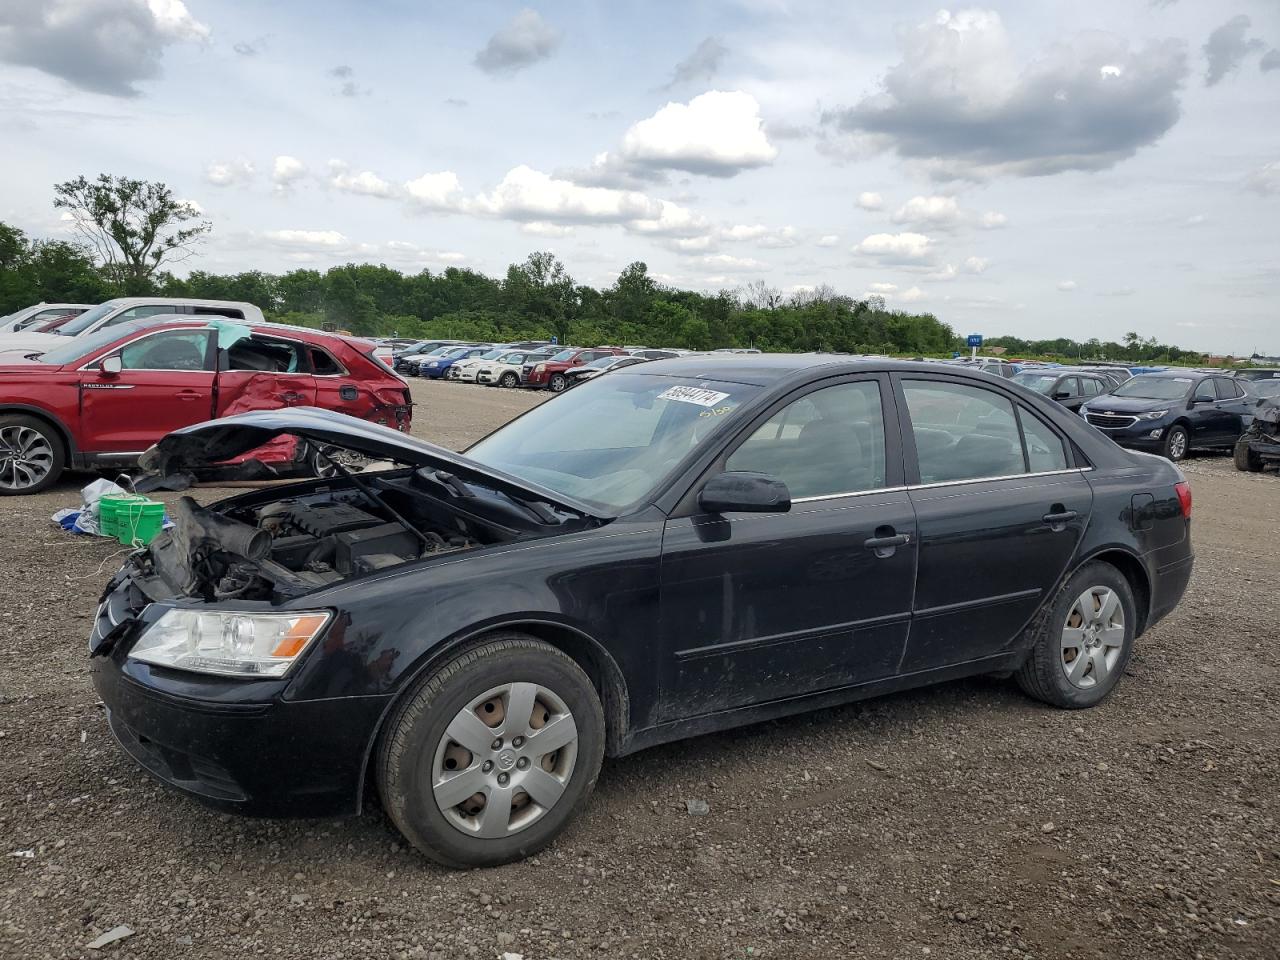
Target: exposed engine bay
[{"x": 277, "y": 549}]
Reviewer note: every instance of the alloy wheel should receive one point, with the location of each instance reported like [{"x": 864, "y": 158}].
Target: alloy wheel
[
  {"x": 1093, "y": 637},
  {"x": 1178, "y": 445},
  {"x": 504, "y": 760},
  {"x": 26, "y": 457}
]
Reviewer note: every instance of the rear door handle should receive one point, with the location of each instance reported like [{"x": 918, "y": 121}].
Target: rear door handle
[
  {"x": 189, "y": 395},
  {"x": 884, "y": 546},
  {"x": 1060, "y": 518}
]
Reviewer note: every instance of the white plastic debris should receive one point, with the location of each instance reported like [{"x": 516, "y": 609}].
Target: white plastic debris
[
  {"x": 24, "y": 854},
  {"x": 114, "y": 935},
  {"x": 697, "y": 808}
]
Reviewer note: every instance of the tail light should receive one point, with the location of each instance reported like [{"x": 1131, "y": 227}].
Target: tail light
[{"x": 1183, "y": 491}]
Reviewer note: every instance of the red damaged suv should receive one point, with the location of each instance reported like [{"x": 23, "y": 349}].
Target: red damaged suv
[
  {"x": 549, "y": 374},
  {"x": 102, "y": 399}
]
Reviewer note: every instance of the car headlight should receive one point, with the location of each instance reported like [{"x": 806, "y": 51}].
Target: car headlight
[
  {"x": 229, "y": 644},
  {"x": 1152, "y": 415},
  {"x": 540, "y": 368},
  {"x": 433, "y": 363}
]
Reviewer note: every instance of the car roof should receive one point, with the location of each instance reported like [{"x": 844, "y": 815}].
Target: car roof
[
  {"x": 179, "y": 320},
  {"x": 761, "y": 369},
  {"x": 180, "y": 301}
]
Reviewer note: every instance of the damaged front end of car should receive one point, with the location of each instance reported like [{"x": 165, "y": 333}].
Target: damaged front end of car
[
  {"x": 1259, "y": 446},
  {"x": 280, "y": 544}
]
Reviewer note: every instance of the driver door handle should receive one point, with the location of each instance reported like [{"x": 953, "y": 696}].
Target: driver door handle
[{"x": 885, "y": 546}]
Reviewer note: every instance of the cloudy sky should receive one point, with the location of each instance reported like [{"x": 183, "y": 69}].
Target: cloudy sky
[{"x": 1038, "y": 169}]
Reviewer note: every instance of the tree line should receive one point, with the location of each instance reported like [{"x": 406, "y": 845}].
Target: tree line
[{"x": 131, "y": 232}]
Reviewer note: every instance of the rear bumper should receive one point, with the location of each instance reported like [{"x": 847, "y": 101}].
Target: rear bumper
[
  {"x": 1267, "y": 451},
  {"x": 1168, "y": 586}
]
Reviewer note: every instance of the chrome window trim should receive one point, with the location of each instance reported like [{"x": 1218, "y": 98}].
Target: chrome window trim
[
  {"x": 1007, "y": 476},
  {"x": 941, "y": 483},
  {"x": 850, "y": 493}
]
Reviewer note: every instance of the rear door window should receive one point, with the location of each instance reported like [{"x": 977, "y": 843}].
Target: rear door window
[
  {"x": 962, "y": 432},
  {"x": 323, "y": 364},
  {"x": 1227, "y": 390},
  {"x": 1090, "y": 387}
]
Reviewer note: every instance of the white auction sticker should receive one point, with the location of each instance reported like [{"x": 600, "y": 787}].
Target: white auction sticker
[{"x": 703, "y": 398}]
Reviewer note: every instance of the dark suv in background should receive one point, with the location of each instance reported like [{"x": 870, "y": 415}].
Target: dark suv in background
[{"x": 1170, "y": 413}]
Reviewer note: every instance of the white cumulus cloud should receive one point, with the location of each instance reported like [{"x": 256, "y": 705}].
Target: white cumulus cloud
[
  {"x": 868, "y": 200},
  {"x": 718, "y": 133},
  {"x": 929, "y": 212},
  {"x": 897, "y": 247},
  {"x": 286, "y": 170},
  {"x": 227, "y": 173},
  {"x": 1066, "y": 286}
]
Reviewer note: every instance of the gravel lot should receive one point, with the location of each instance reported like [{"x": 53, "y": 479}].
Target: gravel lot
[{"x": 959, "y": 821}]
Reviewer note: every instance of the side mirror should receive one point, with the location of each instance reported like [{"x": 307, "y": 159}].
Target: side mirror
[
  {"x": 1062, "y": 394},
  {"x": 743, "y": 492},
  {"x": 112, "y": 365}
]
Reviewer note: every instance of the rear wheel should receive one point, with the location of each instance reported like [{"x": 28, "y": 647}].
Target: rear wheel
[
  {"x": 1245, "y": 458},
  {"x": 1083, "y": 645},
  {"x": 1177, "y": 444},
  {"x": 509, "y": 379},
  {"x": 559, "y": 382},
  {"x": 31, "y": 455},
  {"x": 491, "y": 757}
]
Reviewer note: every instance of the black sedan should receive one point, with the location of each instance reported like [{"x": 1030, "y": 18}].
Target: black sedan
[
  {"x": 1170, "y": 413},
  {"x": 679, "y": 547}
]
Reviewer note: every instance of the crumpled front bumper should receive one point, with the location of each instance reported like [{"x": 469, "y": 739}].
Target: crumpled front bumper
[{"x": 243, "y": 746}]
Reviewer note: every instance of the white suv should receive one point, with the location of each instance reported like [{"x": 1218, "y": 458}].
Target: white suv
[{"x": 124, "y": 309}]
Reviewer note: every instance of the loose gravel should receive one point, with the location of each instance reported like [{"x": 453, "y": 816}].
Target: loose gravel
[{"x": 961, "y": 821}]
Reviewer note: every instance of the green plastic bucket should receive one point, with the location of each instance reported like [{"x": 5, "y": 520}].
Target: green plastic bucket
[
  {"x": 138, "y": 521},
  {"x": 109, "y": 510}
]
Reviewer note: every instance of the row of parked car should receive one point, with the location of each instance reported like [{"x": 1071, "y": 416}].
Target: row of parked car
[
  {"x": 532, "y": 364},
  {"x": 1168, "y": 412}
]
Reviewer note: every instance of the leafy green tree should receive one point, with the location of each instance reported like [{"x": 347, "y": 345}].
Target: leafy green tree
[{"x": 133, "y": 226}]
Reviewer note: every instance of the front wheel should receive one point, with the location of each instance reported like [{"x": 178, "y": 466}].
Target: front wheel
[
  {"x": 1176, "y": 443},
  {"x": 489, "y": 758},
  {"x": 509, "y": 380},
  {"x": 1082, "y": 646},
  {"x": 31, "y": 455},
  {"x": 559, "y": 382},
  {"x": 1245, "y": 458}
]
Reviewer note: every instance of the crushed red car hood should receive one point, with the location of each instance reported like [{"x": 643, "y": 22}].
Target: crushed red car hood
[{"x": 216, "y": 441}]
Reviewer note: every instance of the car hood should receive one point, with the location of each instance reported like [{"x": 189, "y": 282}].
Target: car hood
[
  {"x": 205, "y": 444},
  {"x": 1108, "y": 403},
  {"x": 29, "y": 342}
]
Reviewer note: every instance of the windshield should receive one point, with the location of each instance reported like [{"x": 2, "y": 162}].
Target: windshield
[
  {"x": 492, "y": 355},
  {"x": 84, "y": 346},
  {"x": 450, "y": 352},
  {"x": 1039, "y": 382},
  {"x": 87, "y": 319},
  {"x": 511, "y": 358},
  {"x": 601, "y": 363},
  {"x": 563, "y": 355},
  {"x": 1154, "y": 388},
  {"x": 612, "y": 441}
]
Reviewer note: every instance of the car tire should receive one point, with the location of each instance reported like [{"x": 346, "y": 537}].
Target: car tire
[
  {"x": 1177, "y": 443},
  {"x": 1080, "y": 649},
  {"x": 416, "y": 749},
  {"x": 509, "y": 380},
  {"x": 32, "y": 455},
  {"x": 1246, "y": 459},
  {"x": 558, "y": 383}
]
